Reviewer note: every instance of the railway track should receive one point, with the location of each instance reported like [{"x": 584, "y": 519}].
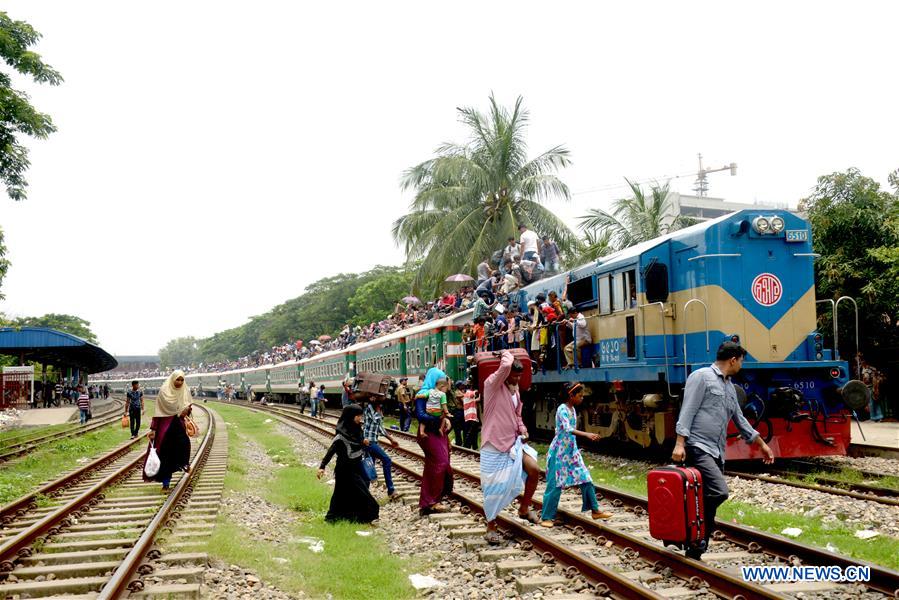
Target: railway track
[
  {"x": 29, "y": 442},
  {"x": 98, "y": 532},
  {"x": 822, "y": 483},
  {"x": 617, "y": 556}
]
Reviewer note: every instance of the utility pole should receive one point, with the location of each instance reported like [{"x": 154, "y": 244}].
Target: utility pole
[{"x": 701, "y": 186}]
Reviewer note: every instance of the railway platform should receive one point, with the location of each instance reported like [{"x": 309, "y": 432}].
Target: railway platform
[{"x": 877, "y": 434}]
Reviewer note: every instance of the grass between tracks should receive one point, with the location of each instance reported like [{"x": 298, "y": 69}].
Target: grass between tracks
[
  {"x": 350, "y": 566},
  {"x": 23, "y": 475},
  {"x": 631, "y": 478}
]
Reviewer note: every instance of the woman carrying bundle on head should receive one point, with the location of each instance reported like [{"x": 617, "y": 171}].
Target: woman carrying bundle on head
[
  {"x": 168, "y": 434},
  {"x": 351, "y": 500},
  {"x": 564, "y": 464}
]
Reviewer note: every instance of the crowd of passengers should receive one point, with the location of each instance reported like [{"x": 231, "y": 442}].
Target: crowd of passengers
[{"x": 497, "y": 288}]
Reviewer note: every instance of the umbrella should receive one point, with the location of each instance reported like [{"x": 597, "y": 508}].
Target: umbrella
[
  {"x": 324, "y": 338},
  {"x": 315, "y": 343},
  {"x": 459, "y": 277},
  {"x": 411, "y": 300}
]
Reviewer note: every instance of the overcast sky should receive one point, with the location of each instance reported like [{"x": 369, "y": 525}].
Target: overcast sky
[{"x": 214, "y": 158}]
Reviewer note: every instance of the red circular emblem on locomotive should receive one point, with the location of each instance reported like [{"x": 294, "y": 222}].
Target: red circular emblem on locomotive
[{"x": 767, "y": 289}]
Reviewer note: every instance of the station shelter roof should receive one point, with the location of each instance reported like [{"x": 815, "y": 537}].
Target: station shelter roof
[{"x": 50, "y": 346}]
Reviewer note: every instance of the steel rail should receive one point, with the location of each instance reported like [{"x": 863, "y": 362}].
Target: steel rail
[
  {"x": 884, "y": 496},
  {"x": 8, "y": 511},
  {"x": 883, "y": 580},
  {"x": 18, "y": 545},
  {"x": 32, "y": 444},
  {"x": 122, "y": 580},
  {"x": 721, "y": 582}
]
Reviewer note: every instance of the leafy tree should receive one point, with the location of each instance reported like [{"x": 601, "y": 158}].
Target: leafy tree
[
  {"x": 471, "y": 197},
  {"x": 181, "y": 351},
  {"x": 374, "y": 299},
  {"x": 635, "y": 219},
  {"x": 594, "y": 245},
  {"x": 61, "y": 322},
  {"x": 17, "y": 116},
  {"x": 856, "y": 230},
  {"x": 4, "y": 262}
]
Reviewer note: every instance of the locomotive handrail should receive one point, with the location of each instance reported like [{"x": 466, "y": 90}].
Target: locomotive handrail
[
  {"x": 812, "y": 254},
  {"x": 705, "y": 309},
  {"x": 836, "y": 335},
  {"x": 711, "y": 256},
  {"x": 836, "y": 307},
  {"x": 661, "y": 306}
]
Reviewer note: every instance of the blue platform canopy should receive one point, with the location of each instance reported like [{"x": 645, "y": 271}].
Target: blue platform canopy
[{"x": 52, "y": 347}]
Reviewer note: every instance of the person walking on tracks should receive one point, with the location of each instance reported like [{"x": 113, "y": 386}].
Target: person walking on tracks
[
  {"x": 351, "y": 500},
  {"x": 564, "y": 464},
  {"x": 167, "y": 430},
  {"x": 135, "y": 407},
  {"x": 437, "y": 474},
  {"x": 508, "y": 464},
  {"x": 373, "y": 428},
  {"x": 710, "y": 403},
  {"x": 83, "y": 400}
]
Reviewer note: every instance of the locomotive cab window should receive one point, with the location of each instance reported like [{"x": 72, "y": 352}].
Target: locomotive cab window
[
  {"x": 618, "y": 292},
  {"x": 656, "y": 280},
  {"x": 602, "y": 284},
  {"x": 630, "y": 283},
  {"x": 580, "y": 292}
]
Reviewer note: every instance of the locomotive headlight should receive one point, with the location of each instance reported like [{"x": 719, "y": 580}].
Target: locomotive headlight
[
  {"x": 761, "y": 225},
  {"x": 819, "y": 356},
  {"x": 777, "y": 224}
]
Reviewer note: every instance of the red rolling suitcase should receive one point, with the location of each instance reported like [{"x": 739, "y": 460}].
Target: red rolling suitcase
[
  {"x": 488, "y": 362},
  {"x": 676, "y": 509}
]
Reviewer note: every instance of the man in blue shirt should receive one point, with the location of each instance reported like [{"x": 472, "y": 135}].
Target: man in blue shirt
[
  {"x": 710, "y": 402},
  {"x": 135, "y": 407}
]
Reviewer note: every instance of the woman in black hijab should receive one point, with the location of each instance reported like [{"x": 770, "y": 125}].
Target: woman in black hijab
[{"x": 351, "y": 500}]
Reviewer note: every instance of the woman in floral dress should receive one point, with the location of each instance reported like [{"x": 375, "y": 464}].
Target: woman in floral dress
[{"x": 564, "y": 465}]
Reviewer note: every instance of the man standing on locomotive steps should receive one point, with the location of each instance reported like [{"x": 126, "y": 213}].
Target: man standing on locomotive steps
[{"x": 710, "y": 402}]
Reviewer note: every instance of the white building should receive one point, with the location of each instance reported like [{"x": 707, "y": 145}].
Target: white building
[{"x": 703, "y": 208}]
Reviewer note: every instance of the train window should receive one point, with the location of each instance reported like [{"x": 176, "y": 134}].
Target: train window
[
  {"x": 630, "y": 283},
  {"x": 427, "y": 356},
  {"x": 618, "y": 292},
  {"x": 418, "y": 358},
  {"x": 631, "y": 338},
  {"x": 434, "y": 354},
  {"x": 656, "y": 279},
  {"x": 605, "y": 306},
  {"x": 581, "y": 292}
]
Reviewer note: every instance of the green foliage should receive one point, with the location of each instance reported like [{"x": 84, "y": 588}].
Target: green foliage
[
  {"x": 179, "y": 351},
  {"x": 325, "y": 307},
  {"x": 856, "y": 231},
  {"x": 471, "y": 197},
  {"x": 373, "y": 300},
  {"x": 67, "y": 323},
  {"x": 4, "y": 266},
  {"x": 635, "y": 219},
  {"x": 17, "y": 116}
]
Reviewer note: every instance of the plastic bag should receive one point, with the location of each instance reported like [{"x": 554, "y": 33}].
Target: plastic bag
[
  {"x": 368, "y": 468},
  {"x": 151, "y": 468},
  {"x": 191, "y": 427},
  {"x": 125, "y": 421}
]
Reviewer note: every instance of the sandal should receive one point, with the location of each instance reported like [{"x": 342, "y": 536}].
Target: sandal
[
  {"x": 547, "y": 524},
  {"x": 438, "y": 508},
  {"x": 530, "y": 516},
  {"x": 600, "y": 514},
  {"x": 493, "y": 537}
]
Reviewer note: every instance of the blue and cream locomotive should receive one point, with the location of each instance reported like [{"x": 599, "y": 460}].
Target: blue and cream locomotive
[{"x": 659, "y": 310}]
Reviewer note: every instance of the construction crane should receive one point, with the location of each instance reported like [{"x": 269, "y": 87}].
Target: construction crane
[{"x": 701, "y": 186}]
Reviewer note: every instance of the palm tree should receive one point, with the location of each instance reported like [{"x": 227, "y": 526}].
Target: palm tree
[
  {"x": 635, "y": 219},
  {"x": 471, "y": 197},
  {"x": 593, "y": 246}
]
